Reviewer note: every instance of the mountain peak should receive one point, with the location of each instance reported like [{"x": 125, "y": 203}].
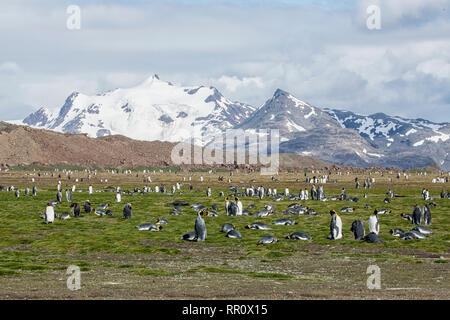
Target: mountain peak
[
  {"x": 278, "y": 93},
  {"x": 154, "y": 79},
  {"x": 174, "y": 113}
]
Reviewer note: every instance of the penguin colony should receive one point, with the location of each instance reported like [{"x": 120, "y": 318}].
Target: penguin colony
[{"x": 233, "y": 207}]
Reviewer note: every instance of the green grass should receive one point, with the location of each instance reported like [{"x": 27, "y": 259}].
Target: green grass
[
  {"x": 48, "y": 168},
  {"x": 27, "y": 245},
  {"x": 153, "y": 272}
]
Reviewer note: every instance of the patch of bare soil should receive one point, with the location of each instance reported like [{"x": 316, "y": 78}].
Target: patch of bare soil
[{"x": 316, "y": 275}]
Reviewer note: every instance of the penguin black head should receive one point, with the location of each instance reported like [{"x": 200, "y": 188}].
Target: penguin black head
[
  {"x": 247, "y": 226},
  {"x": 332, "y": 212}
]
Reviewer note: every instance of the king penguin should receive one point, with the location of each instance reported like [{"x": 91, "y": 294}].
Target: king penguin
[
  {"x": 335, "y": 226},
  {"x": 374, "y": 223},
  {"x": 49, "y": 213},
  {"x": 76, "y": 209},
  {"x": 358, "y": 229},
  {"x": 87, "y": 206},
  {"x": 200, "y": 227},
  {"x": 427, "y": 215},
  {"x": 127, "y": 213},
  {"x": 417, "y": 215}
]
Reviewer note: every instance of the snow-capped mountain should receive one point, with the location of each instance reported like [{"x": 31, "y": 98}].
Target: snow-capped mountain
[
  {"x": 160, "y": 110},
  {"x": 288, "y": 114},
  {"x": 153, "y": 110},
  {"x": 307, "y": 130},
  {"x": 399, "y": 135}
]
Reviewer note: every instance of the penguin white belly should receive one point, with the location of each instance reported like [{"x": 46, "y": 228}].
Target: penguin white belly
[
  {"x": 50, "y": 214},
  {"x": 338, "y": 230},
  {"x": 239, "y": 212},
  {"x": 373, "y": 225}
]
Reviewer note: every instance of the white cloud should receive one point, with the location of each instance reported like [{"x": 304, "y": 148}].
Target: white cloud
[
  {"x": 234, "y": 83},
  {"x": 325, "y": 57},
  {"x": 435, "y": 67},
  {"x": 9, "y": 67}
]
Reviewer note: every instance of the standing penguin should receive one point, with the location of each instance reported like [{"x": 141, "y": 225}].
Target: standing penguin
[
  {"x": 417, "y": 215},
  {"x": 17, "y": 193},
  {"x": 87, "y": 206},
  {"x": 76, "y": 209},
  {"x": 358, "y": 229},
  {"x": 427, "y": 215},
  {"x": 374, "y": 224},
  {"x": 391, "y": 193},
  {"x": 335, "y": 226},
  {"x": 261, "y": 193},
  {"x": 321, "y": 194},
  {"x": 59, "y": 196},
  {"x": 200, "y": 227},
  {"x": 313, "y": 193},
  {"x": 302, "y": 195},
  {"x": 208, "y": 192},
  {"x": 34, "y": 191},
  {"x": 127, "y": 211},
  {"x": 239, "y": 206},
  {"x": 227, "y": 206},
  {"x": 90, "y": 190},
  {"x": 68, "y": 195},
  {"x": 118, "y": 197},
  {"x": 233, "y": 209},
  {"x": 27, "y": 191},
  {"x": 49, "y": 213},
  {"x": 343, "y": 195}
]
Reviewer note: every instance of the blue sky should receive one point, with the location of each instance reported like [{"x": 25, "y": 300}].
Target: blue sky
[{"x": 320, "y": 51}]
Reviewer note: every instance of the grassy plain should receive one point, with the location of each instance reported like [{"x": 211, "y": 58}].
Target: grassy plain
[{"x": 119, "y": 262}]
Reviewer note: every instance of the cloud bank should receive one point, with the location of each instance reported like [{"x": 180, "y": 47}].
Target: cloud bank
[{"x": 321, "y": 52}]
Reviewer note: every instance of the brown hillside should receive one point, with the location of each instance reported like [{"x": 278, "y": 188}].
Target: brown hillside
[{"x": 22, "y": 145}]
